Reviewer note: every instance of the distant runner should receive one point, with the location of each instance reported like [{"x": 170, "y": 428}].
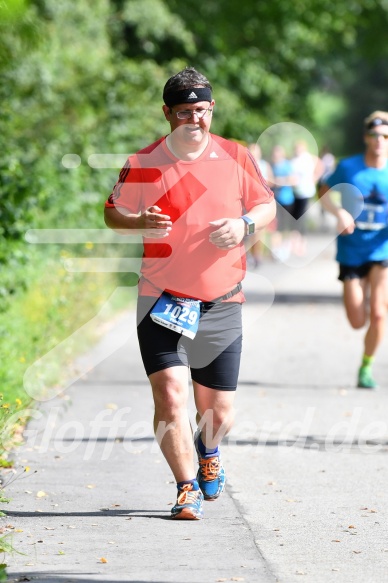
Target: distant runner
[{"x": 362, "y": 245}]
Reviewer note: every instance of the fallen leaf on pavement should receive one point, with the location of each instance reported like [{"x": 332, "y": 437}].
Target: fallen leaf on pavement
[
  {"x": 103, "y": 560},
  {"x": 41, "y": 494}
]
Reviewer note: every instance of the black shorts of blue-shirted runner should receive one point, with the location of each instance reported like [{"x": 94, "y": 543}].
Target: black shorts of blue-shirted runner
[{"x": 347, "y": 272}]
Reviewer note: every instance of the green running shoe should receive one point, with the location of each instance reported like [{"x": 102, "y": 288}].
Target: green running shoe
[{"x": 365, "y": 378}]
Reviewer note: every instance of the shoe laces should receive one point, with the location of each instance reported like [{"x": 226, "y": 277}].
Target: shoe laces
[
  {"x": 210, "y": 468},
  {"x": 187, "y": 495}
]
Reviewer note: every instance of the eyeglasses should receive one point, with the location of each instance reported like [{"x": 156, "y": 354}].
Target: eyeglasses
[
  {"x": 377, "y": 136},
  {"x": 200, "y": 113}
]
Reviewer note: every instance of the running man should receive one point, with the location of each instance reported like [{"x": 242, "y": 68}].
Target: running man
[
  {"x": 362, "y": 244},
  {"x": 194, "y": 196}
]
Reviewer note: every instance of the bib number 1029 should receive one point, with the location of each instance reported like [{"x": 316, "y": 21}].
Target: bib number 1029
[
  {"x": 178, "y": 314},
  {"x": 181, "y": 313}
]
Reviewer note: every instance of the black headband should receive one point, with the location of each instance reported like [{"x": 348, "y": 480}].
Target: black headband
[
  {"x": 192, "y": 95},
  {"x": 376, "y": 122}
]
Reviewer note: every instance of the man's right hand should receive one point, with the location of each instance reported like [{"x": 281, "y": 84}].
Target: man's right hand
[
  {"x": 154, "y": 224},
  {"x": 345, "y": 222},
  {"x": 149, "y": 224}
]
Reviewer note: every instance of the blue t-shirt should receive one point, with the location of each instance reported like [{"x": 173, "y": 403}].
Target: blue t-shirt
[
  {"x": 284, "y": 195},
  {"x": 371, "y": 184}
]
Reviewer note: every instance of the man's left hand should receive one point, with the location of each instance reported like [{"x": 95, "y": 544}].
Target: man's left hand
[{"x": 228, "y": 233}]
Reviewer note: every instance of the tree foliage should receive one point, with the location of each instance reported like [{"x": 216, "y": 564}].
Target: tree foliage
[{"x": 85, "y": 78}]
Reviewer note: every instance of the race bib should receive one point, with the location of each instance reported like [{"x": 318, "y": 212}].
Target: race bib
[
  {"x": 178, "y": 314},
  {"x": 373, "y": 217}
]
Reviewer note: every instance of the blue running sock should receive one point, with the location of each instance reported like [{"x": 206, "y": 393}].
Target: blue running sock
[
  {"x": 203, "y": 450},
  {"x": 193, "y": 482}
]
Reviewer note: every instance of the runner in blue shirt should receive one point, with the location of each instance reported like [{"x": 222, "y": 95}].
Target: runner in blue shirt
[{"x": 362, "y": 243}]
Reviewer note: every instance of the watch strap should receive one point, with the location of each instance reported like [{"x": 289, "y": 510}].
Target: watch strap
[{"x": 250, "y": 225}]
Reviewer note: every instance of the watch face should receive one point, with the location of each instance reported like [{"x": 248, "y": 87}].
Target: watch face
[{"x": 251, "y": 228}]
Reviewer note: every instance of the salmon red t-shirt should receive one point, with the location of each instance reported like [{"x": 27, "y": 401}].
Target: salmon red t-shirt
[{"x": 224, "y": 182}]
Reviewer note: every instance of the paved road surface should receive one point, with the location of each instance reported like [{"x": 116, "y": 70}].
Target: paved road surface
[{"x": 306, "y": 462}]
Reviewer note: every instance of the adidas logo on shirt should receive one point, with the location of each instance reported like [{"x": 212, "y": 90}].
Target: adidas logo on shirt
[
  {"x": 192, "y": 96},
  {"x": 213, "y": 155}
]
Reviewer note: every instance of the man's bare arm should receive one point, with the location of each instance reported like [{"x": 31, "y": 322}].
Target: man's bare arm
[
  {"x": 149, "y": 224},
  {"x": 345, "y": 221}
]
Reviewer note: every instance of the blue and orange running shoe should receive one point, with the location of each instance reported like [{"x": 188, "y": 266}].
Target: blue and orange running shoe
[
  {"x": 211, "y": 473},
  {"x": 188, "y": 505}
]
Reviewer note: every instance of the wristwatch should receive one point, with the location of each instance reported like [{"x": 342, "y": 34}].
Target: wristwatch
[{"x": 250, "y": 225}]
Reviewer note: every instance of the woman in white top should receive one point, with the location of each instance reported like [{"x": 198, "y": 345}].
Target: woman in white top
[{"x": 307, "y": 171}]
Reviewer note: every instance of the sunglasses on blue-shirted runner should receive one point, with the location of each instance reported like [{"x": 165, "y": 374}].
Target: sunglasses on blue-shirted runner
[{"x": 377, "y": 135}]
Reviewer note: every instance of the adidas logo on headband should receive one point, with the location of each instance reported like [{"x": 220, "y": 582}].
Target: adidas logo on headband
[{"x": 190, "y": 95}]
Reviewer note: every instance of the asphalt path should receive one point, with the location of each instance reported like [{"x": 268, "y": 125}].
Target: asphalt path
[{"x": 306, "y": 461}]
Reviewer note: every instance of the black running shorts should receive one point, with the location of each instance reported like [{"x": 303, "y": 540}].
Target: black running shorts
[
  {"x": 358, "y": 271},
  {"x": 213, "y": 355}
]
